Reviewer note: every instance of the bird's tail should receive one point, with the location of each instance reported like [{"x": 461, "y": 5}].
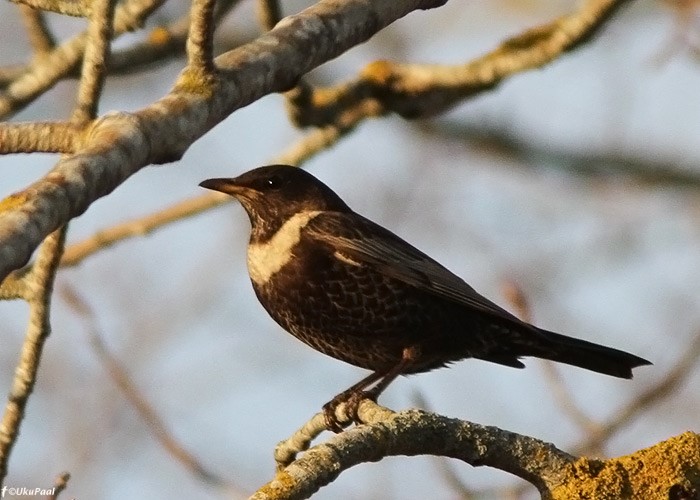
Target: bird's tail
[{"x": 588, "y": 355}]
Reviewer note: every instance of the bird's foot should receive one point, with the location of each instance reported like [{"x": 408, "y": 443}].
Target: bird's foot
[{"x": 352, "y": 402}]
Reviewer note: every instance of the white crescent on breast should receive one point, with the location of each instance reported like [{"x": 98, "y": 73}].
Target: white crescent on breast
[{"x": 266, "y": 259}]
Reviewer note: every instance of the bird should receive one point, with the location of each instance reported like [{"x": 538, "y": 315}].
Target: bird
[{"x": 351, "y": 289}]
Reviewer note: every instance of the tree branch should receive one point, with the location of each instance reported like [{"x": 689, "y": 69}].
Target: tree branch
[
  {"x": 138, "y": 401},
  {"x": 142, "y": 226},
  {"x": 40, "y": 282},
  {"x": 415, "y": 432},
  {"x": 119, "y": 144},
  {"x": 38, "y": 137},
  {"x": 95, "y": 60},
  {"x": 269, "y": 13},
  {"x": 200, "y": 41},
  {"x": 40, "y": 37},
  {"x": 650, "y": 473},
  {"x": 297, "y": 154},
  {"x": 42, "y": 74},
  {"x": 75, "y": 8},
  {"x": 424, "y": 90}
]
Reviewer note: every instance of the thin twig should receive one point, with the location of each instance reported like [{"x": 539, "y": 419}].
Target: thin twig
[
  {"x": 142, "y": 406},
  {"x": 200, "y": 42},
  {"x": 652, "y": 395},
  {"x": 40, "y": 282},
  {"x": 95, "y": 59},
  {"x": 142, "y": 226},
  {"x": 296, "y": 154},
  {"x": 40, "y": 36},
  {"x": 566, "y": 402},
  {"x": 120, "y": 144},
  {"x": 269, "y": 13},
  {"x": 75, "y": 8},
  {"x": 560, "y": 392},
  {"x": 443, "y": 466},
  {"x": 59, "y": 485},
  {"x": 424, "y": 90},
  {"x": 160, "y": 45},
  {"x": 61, "y": 62},
  {"x": 645, "y": 170}
]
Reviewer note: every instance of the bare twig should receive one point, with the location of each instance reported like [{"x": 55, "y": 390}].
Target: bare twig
[
  {"x": 296, "y": 154},
  {"x": 567, "y": 404},
  {"x": 39, "y": 137},
  {"x": 40, "y": 36},
  {"x": 59, "y": 485},
  {"x": 423, "y": 90},
  {"x": 95, "y": 60},
  {"x": 119, "y": 144},
  {"x": 130, "y": 391},
  {"x": 162, "y": 44},
  {"x": 646, "y": 170},
  {"x": 662, "y": 389},
  {"x": 75, "y": 8},
  {"x": 42, "y": 74},
  {"x": 444, "y": 467},
  {"x": 685, "y": 12},
  {"x": 200, "y": 52},
  {"x": 515, "y": 295},
  {"x": 76, "y": 252},
  {"x": 562, "y": 395},
  {"x": 40, "y": 282},
  {"x": 269, "y": 13}
]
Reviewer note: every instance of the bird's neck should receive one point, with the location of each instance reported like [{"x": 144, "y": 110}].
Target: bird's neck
[{"x": 271, "y": 250}]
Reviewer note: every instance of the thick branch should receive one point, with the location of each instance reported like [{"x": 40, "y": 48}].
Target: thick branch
[
  {"x": 662, "y": 471},
  {"x": 314, "y": 142},
  {"x": 120, "y": 144},
  {"x": 415, "y": 432}
]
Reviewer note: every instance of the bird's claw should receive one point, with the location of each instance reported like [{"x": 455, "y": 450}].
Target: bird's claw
[
  {"x": 352, "y": 404},
  {"x": 331, "y": 421}
]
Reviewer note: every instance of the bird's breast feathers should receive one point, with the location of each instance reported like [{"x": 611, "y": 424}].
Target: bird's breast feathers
[{"x": 266, "y": 258}]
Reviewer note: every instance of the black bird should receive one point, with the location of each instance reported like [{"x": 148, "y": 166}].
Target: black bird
[{"x": 353, "y": 290}]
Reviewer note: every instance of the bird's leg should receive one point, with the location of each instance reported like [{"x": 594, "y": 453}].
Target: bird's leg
[
  {"x": 332, "y": 423},
  {"x": 355, "y": 394}
]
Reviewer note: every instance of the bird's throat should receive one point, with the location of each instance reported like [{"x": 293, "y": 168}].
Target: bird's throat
[{"x": 266, "y": 258}]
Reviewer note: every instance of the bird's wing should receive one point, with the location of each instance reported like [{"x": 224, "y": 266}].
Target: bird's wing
[{"x": 359, "y": 239}]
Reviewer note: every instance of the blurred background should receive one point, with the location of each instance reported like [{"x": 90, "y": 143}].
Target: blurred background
[{"x": 578, "y": 183}]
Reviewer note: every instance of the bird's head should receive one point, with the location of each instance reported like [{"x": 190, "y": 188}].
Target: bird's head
[{"x": 273, "y": 194}]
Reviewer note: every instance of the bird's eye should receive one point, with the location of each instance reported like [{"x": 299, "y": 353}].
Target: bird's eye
[{"x": 274, "y": 182}]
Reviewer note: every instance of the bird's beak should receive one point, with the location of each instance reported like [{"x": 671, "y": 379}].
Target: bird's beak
[{"x": 227, "y": 186}]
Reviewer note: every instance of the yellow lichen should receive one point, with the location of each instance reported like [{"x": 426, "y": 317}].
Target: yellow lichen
[
  {"x": 13, "y": 201},
  {"x": 670, "y": 469},
  {"x": 159, "y": 36}
]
